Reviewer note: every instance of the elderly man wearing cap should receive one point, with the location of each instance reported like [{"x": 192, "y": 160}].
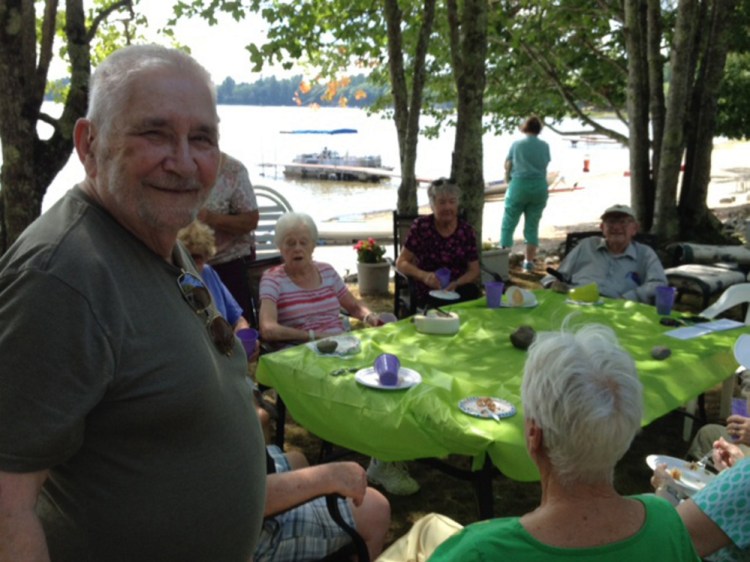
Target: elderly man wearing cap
[{"x": 621, "y": 267}]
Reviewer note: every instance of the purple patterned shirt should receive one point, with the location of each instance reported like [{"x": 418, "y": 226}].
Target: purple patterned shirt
[{"x": 433, "y": 251}]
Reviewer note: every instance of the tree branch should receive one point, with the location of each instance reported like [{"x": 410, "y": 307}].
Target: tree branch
[
  {"x": 104, "y": 14},
  {"x": 45, "y": 47}
]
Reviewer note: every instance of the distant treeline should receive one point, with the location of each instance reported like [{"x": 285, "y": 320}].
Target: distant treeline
[{"x": 352, "y": 91}]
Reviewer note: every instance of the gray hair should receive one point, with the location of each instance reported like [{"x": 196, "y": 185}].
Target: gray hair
[
  {"x": 582, "y": 390},
  {"x": 442, "y": 186},
  {"x": 289, "y": 221},
  {"x": 112, "y": 80}
]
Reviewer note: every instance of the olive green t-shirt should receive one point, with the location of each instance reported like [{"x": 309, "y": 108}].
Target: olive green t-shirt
[{"x": 111, "y": 381}]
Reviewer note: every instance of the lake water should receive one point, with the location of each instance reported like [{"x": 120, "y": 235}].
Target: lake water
[{"x": 253, "y": 135}]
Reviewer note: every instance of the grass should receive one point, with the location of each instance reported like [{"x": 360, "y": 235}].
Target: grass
[{"x": 455, "y": 498}]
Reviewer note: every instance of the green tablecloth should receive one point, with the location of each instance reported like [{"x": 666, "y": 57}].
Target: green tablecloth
[{"x": 425, "y": 421}]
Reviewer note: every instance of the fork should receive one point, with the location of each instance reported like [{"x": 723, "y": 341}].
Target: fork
[
  {"x": 492, "y": 414},
  {"x": 701, "y": 462}
]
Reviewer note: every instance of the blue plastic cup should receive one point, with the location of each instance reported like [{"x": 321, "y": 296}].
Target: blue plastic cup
[
  {"x": 494, "y": 290},
  {"x": 249, "y": 339},
  {"x": 386, "y": 366},
  {"x": 444, "y": 276},
  {"x": 664, "y": 300}
]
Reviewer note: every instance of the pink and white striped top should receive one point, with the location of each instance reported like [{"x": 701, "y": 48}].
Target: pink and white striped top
[{"x": 306, "y": 309}]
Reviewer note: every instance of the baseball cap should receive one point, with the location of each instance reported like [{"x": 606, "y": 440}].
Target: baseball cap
[{"x": 619, "y": 210}]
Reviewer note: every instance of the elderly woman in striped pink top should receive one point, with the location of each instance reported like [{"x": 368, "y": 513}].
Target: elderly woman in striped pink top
[{"x": 300, "y": 299}]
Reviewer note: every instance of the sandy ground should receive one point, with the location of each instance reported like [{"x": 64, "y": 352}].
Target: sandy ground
[{"x": 572, "y": 210}]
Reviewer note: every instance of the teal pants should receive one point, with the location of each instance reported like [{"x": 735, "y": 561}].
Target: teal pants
[{"x": 527, "y": 197}]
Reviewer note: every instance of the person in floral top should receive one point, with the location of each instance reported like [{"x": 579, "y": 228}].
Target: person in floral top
[
  {"x": 232, "y": 212},
  {"x": 441, "y": 240}
]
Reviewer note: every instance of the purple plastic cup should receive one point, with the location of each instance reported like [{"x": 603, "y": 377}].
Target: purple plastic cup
[
  {"x": 664, "y": 300},
  {"x": 494, "y": 290},
  {"x": 249, "y": 339},
  {"x": 444, "y": 276},
  {"x": 387, "y": 317},
  {"x": 386, "y": 366},
  {"x": 740, "y": 407}
]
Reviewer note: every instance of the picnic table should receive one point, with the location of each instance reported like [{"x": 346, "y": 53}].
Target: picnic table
[{"x": 424, "y": 421}]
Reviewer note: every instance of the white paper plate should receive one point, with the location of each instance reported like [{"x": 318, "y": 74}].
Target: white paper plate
[
  {"x": 690, "y": 479},
  {"x": 528, "y": 299},
  {"x": 445, "y": 295},
  {"x": 482, "y": 407},
  {"x": 406, "y": 378},
  {"x": 347, "y": 345},
  {"x": 742, "y": 350},
  {"x": 526, "y": 305},
  {"x": 585, "y": 303}
]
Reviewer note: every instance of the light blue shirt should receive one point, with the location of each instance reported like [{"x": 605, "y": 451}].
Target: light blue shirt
[
  {"x": 632, "y": 275},
  {"x": 223, "y": 299},
  {"x": 530, "y": 157}
]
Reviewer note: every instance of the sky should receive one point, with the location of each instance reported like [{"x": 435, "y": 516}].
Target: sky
[{"x": 220, "y": 48}]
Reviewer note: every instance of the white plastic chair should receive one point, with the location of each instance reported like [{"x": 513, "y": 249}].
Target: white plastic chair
[{"x": 732, "y": 296}]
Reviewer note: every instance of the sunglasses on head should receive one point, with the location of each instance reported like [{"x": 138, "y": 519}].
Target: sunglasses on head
[{"x": 197, "y": 295}]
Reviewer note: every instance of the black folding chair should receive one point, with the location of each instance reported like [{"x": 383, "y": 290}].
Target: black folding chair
[{"x": 404, "y": 293}]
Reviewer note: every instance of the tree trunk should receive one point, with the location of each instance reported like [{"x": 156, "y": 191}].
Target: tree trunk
[
  {"x": 673, "y": 143},
  {"x": 407, "y": 109},
  {"x": 654, "y": 29},
  {"x": 469, "y": 52},
  {"x": 693, "y": 210},
  {"x": 29, "y": 163},
  {"x": 635, "y": 29}
]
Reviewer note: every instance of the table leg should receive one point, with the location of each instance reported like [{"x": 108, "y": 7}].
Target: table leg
[{"x": 482, "y": 482}]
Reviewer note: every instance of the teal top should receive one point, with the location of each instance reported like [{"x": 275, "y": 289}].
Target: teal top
[
  {"x": 726, "y": 501},
  {"x": 530, "y": 157},
  {"x": 662, "y": 537}
]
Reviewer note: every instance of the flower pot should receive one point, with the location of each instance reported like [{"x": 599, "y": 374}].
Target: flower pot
[
  {"x": 495, "y": 260},
  {"x": 373, "y": 278}
]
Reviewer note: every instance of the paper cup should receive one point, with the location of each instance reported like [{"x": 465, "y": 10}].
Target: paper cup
[
  {"x": 387, "y": 366},
  {"x": 444, "y": 276},
  {"x": 664, "y": 300},
  {"x": 249, "y": 339},
  {"x": 494, "y": 290}
]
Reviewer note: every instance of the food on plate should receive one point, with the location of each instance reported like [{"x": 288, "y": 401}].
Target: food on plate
[
  {"x": 517, "y": 298},
  {"x": 694, "y": 466},
  {"x": 487, "y": 403},
  {"x": 676, "y": 473},
  {"x": 327, "y": 346},
  {"x": 523, "y": 337}
]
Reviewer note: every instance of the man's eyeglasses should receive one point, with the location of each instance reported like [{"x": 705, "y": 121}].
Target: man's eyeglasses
[{"x": 197, "y": 295}]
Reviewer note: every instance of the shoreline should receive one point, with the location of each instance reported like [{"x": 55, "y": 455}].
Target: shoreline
[{"x": 728, "y": 194}]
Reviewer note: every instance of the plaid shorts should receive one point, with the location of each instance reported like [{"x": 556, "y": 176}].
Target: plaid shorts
[{"x": 306, "y": 532}]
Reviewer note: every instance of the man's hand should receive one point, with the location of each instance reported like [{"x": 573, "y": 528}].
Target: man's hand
[
  {"x": 725, "y": 454},
  {"x": 738, "y": 428},
  {"x": 350, "y": 479},
  {"x": 560, "y": 287}
]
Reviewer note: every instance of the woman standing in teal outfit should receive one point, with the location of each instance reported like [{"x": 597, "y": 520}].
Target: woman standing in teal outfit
[{"x": 526, "y": 172}]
